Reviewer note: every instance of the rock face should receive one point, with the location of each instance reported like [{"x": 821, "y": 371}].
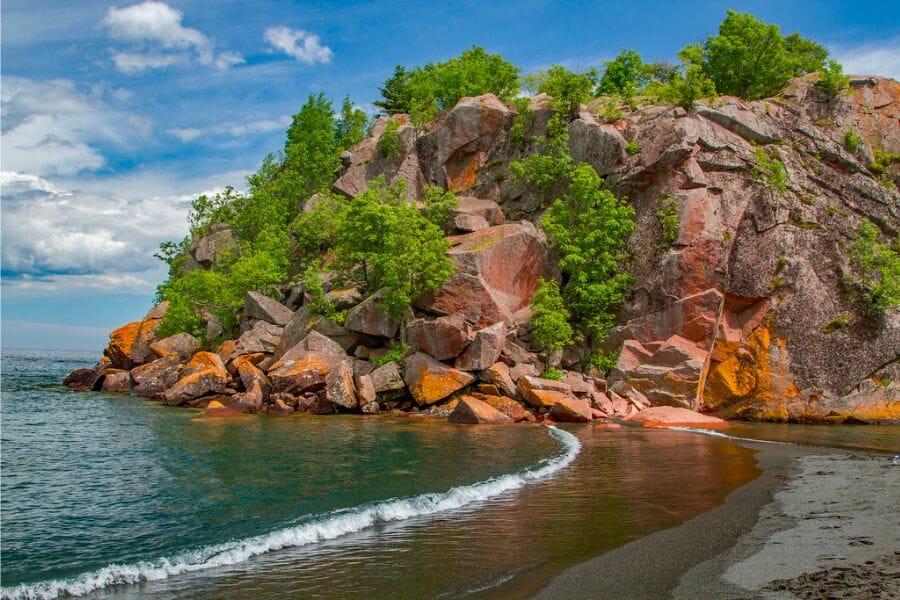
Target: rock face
[
  {"x": 442, "y": 338},
  {"x": 430, "y": 381},
  {"x": 205, "y": 373},
  {"x": 129, "y": 345}
]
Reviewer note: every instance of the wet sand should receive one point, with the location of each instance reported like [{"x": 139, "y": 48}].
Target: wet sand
[{"x": 817, "y": 523}]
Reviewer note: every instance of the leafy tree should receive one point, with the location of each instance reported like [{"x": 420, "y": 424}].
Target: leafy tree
[
  {"x": 624, "y": 76},
  {"x": 389, "y": 144},
  {"x": 685, "y": 85},
  {"x": 567, "y": 89},
  {"x": 311, "y": 150},
  {"x": 832, "y": 80},
  {"x": 550, "y": 324},
  {"x": 877, "y": 269},
  {"x": 384, "y": 243},
  {"x": 669, "y": 216},
  {"x": 590, "y": 227},
  {"x": 438, "y": 204},
  {"x": 351, "y": 126},
  {"x": 396, "y": 93},
  {"x": 315, "y": 227},
  {"x": 751, "y": 59}
]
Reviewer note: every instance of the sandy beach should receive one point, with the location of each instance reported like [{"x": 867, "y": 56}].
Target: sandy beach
[{"x": 818, "y": 523}]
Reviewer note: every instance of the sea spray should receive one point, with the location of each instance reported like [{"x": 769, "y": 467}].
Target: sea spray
[{"x": 315, "y": 529}]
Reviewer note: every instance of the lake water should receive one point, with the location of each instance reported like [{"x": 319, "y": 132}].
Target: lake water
[{"x": 109, "y": 496}]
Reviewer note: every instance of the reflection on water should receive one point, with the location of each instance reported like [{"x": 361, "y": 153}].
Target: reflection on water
[{"x": 872, "y": 438}]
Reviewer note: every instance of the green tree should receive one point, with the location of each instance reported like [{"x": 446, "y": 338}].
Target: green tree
[
  {"x": 351, "y": 126},
  {"x": 395, "y": 93},
  {"x": 566, "y": 88},
  {"x": 590, "y": 227},
  {"x": 624, "y": 76},
  {"x": 389, "y": 144},
  {"x": 876, "y": 269},
  {"x": 311, "y": 150},
  {"x": 384, "y": 243},
  {"x": 751, "y": 59},
  {"x": 550, "y": 324},
  {"x": 832, "y": 80}
]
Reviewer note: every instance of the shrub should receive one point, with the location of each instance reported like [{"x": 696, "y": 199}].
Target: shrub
[
  {"x": 877, "y": 270},
  {"x": 389, "y": 144},
  {"x": 550, "y": 324},
  {"x": 552, "y": 374},
  {"x": 395, "y": 354},
  {"x": 351, "y": 126},
  {"x": 603, "y": 361},
  {"x": 523, "y": 117},
  {"x": 840, "y": 321},
  {"x": 851, "y": 140},
  {"x": 667, "y": 211},
  {"x": 624, "y": 76},
  {"x": 567, "y": 89},
  {"x": 438, "y": 204},
  {"x": 632, "y": 147},
  {"x": 769, "y": 170},
  {"x": 832, "y": 81}
]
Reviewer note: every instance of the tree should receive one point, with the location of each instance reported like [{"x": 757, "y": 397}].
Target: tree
[
  {"x": 384, "y": 243},
  {"x": 567, "y": 89},
  {"x": 832, "y": 80},
  {"x": 550, "y": 324},
  {"x": 311, "y": 149},
  {"x": 395, "y": 92},
  {"x": 877, "y": 269},
  {"x": 624, "y": 76},
  {"x": 590, "y": 226},
  {"x": 351, "y": 126},
  {"x": 751, "y": 59}
]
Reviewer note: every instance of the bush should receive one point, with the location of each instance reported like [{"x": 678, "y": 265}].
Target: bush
[
  {"x": 395, "y": 354},
  {"x": 603, "y": 361},
  {"x": 877, "y": 270},
  {"x": 832, "y": 81},
  {"x": 851, "y": 140},
  {"x": 685, "y": 84},
  {"x": 669, "y": 216},
  {"x": 389, "y": 144},
  {"x": 566, "y": 88},
  {"x": 552, "y": 374},
  {"x": 770, "y": 171},
  {"x": 624, "y": 76},
  {"x": 840, "y": 321},
  {"x": 632, "y": 147},
  {"x": 550, "y": 324},
  {"x": 523, "y": 117}
]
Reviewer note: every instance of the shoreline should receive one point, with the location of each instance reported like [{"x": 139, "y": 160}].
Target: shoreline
[{"x": 808, "y": 524}]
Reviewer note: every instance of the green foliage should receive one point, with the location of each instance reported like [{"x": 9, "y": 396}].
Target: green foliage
[
  {"x": 384, "y": 243},
  {"x": 550, "y": 323},
  {"x": 439, "y": 204},
  {"x": 603, "y": 361},
  {"x": 552, "y": 374},
  {"x": 523, "y": 117},
  {"x": 395, "y": 354},
  {"x": 751, "y": 59},
  {"x": 566, "y": 88},
  {"x": 832, "y": 81},
  {"x": 851, "y": 140},
  {"x": 685, "y": 84},
  {"x": 624, "y": 76},
  {"x": 389, "y": 144},
  {"x": 395, "y": 92},
  {"x": 840, "y": 321},
  {"x": 551, "y": 165},
  {"x": 609, "y": 111},
  {"x": 632, "y": 147},
  {"x": 883, "y": 160},
  {"x": 669, "y": 215},
  {"x": 769, "y": 170},
  {"x": 312, "y": 284},
  {"x": 311, "y": 150},
  {"x": 314, "y": 228},
  {"x": 351, "y": 126},
  {"x": 590, "y": 227},
  {"x": 877, "y": 270}
]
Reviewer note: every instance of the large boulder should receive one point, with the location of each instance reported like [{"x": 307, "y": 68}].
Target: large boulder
[
  {"x": 498, "y": 270},
  {"x": 484, "y": 350},
  {"x": 213, "y": 245},
  {"x": 669, "y": 375},
  {"x": 543, "y": 393},
  {"x": 507, "y": 406},
  {"x": 81, "y": 380},
  {"x": 442, "y": 338},
  {"x": 116, "y": 380},
  {"x": 204, "y": 374},
  {"x": 305, "y": 321},
  {"x": 340, "y": 388},
  {"x": 258, "y": 306},
  {"x": 155, "y": 377},
  {"x": 571, "y": 410},
  {"x": 129, "y": 345},
  {"x": 481, "y": 208},
  {"x": 473, "y": 411},
  {"x": 304, "y": 373},
  {"x": 261, "y": 337},
  {"x": 670, "y": 416},
  {"x": 183, "y": 345},
  {"x": 498, "y": 375},
  {"x": 430, "y": 381},
  {"x": 387, "y": 378},
  {"x": 370, "y": 318}
]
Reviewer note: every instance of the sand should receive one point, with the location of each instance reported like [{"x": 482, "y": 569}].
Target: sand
[{"x": 817, "y": 523}]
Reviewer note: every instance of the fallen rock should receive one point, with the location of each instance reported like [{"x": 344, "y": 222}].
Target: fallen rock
[
  {"x": 484, "y": 350},
  {"x": 498, "y": 375},
  {"x": 542, "y": 393},
  {"x": 215, "y": 243},
  {"x": 261, "y": 337},
  {"x": 280, "y": 408},
  {"x": 155, "y": 377},
  {"x": 387, "y": 378},
  {"x": 474, "y": 411},
  {"x": 571, "y": 410},
  {"x": 365, "y": 389},
  {"x": 258, "y": 306},
  {"x": 81, "y": 380},
  {"x": 482, "y": 208},
  {"x": 668, "y": 416},
  {"x": 250, "y": 373},
  {"x": 129, "y": 345},
  {"x": 340, "y": 389},
  {"x": 429, "y": 381},
  {"x": 183, "y": 345},
  {"x": 469, "y": 223},
  {"x": 507, "y": 406},
  {"x": 441, "y": 338},
  {"x": 306, "y": 372},
  {"x": 115, "y": 380},
  {"x": 369, "y": 318},
  {"x": 252, "y": 400},
  {"x": 203, "y": 374}
]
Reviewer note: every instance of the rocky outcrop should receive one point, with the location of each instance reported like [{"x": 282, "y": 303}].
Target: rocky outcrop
[
  {"x": 474, "y": 411},
  {"x": 205, "y": 373}
]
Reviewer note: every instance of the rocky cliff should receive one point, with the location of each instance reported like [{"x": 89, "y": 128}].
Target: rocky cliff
[{"x": 743, "y": 312}]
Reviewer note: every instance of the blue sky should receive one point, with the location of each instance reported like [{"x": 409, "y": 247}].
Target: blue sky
[{"x": 115, "y": 114}]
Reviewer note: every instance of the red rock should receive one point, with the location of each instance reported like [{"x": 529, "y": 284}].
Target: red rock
[
  {"x": 248, "y": 373},
  {"x": 210, "y": 247},
  {"x": 369, "y": 318},
  {"x": 668, "y": 416},
  {"x": 203, "y": 374},
  {"x": 488, "y": 389},
  {"x": 216, "y": 409},
  {"x": 596, "y": 414},
  {"x": 365, "y": 389},
  {"x": 155, "y": 377},
  {"x": 469, "y": 223},
  {"x": 262, "y": 337},
  {"x": 340, "y": 389},
  {"x": 81, "y": 380},
  {"x": 482, "y": 208},
  {"x": 227, "y": 350},
  {"x": 539, "y": 392},
  {"x": 430, "y": 381},
  {"x": 441, "y": 338},
  {"x": 484, "y": 350},
  {"x": 183, "y": 345},
  {"x": 305, "y": 373},
  {"x": 507, "y": 406},
  {"x": 369, "y": 408},
  {"x": 258, "y": 306},
  {"x": 313, "y": 342},
  {"x": 252, "y": 400},
  {"x": 115, "y": 380},
  {"x": 498, "y": 375},
  {"x": 578, "y": 384},
  {"x": 280, "y": 407},
  {"x": 387, "y": 378},
  {"x": 129, "y": 345},
  {"x": 571, "y": 410},
  {"x": 474, "y": 411}
]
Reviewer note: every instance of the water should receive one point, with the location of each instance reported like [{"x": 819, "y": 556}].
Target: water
[{"x": 119, "y": 497}]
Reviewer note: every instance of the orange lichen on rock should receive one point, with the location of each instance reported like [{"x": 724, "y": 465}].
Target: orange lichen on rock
[
  {"x": 674, "y": 416},
  {"x": 129, "y": 345},
  {"x": 429, "y": 381}
]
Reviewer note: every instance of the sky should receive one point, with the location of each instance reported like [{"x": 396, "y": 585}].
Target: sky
[{"x": 116, "y": 114}]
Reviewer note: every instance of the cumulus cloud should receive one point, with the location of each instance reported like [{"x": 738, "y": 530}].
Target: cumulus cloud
[
  {"x": 231, "y": 129},
  {"x": 304, "y": 46},
  {"x": 160, "y": 39},
  {"x": 879, "y": 58},
  {"x": 52, "y": 128}
]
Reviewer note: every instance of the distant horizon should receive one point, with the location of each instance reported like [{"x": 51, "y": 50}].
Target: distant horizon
[{"x": 118, "y": 113}]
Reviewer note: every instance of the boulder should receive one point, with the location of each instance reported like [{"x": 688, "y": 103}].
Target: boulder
[
  {"x": 205, "y": 373},
  {"x": 313, "y": 342},
  {"x": 485, "y": 349},
  {"x": 430, "y": 381},
  {"x": 306, "y": 372},
  {"x": 263, "y": 308},
  {"x": 115, "y": 380},
  {"x": 217, "y": 409},
  {"x": 369, "y": 318},
  {"x": 498, "y": 375},
  {"x": 250, "y": 373},
  {"x": 498, "y": 270},
  {"x": 344, "y": 298},
  {"x": 365, "y": 389},
  {"x": 571, "y": 410},
  {"x": 469, "y": 223},
  {"x": 369, "y": 408},
  {"x": 183, "y": 345},
  {"x": 441, "y": 338},
  {"x": 387, "y": 378},
  {"x": 227, "y": 350},
  {"x": 578, "y": 384},
  {"x": 542, "y": 393},
  {"x": 155, "y": 377},
  {"x": 129, "y": 345},
  {"x": 671, "y": 416},
  {"x": 158, "y": 312},
  {"x": 81, "y": 380},
  {"x": 340, "y": 389},
  {"x": 507, "y": 406},
  {"x": 473, "y": 411},
  {"x": 482, "y": 208},
  {"x": 280, "y": 408},
  {"x": 261, "y": 337},
  {"x": 211, "y": 246},
  {"x": 252, "y": 400}
]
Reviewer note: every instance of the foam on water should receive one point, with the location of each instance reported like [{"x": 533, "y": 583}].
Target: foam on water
[{"x": 317, "y": 529}]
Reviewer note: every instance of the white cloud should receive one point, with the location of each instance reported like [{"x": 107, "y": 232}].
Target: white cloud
[
  {"x": 878, "y": 58},
  {"x": 51, "y": 128},
  {"x": 304, "y": 46},
  {"x": 232, "y": 129},
  {"x": 187, "y": 134},
  {"x": 151, "y": 26}
]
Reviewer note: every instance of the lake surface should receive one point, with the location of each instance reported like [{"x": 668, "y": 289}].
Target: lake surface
[{"x": 117, "y": 497}]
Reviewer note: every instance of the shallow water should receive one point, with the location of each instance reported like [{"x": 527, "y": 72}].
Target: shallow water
[{"x": 415, "y": 509}]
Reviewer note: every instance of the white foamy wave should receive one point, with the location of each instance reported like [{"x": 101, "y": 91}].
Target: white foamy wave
[
  {"x": 714, "y": 433},
  {"x": 324, "y": 527}
]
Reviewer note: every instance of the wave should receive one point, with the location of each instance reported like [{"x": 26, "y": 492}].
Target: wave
[
  {"x": 714, "y": 433},
  {"x": 317, "y": 529}
]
